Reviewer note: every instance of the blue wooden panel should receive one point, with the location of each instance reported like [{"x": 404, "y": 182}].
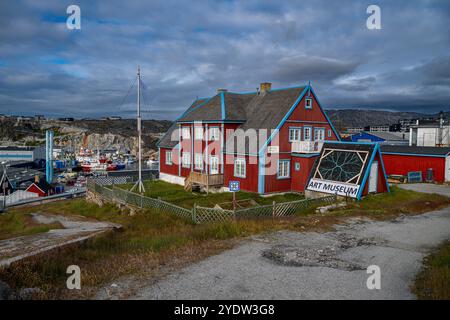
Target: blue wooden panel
[{"x": 414, "y": 176}]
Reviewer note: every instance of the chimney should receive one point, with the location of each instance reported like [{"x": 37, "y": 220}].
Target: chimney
[
  {"x": 36, "y": 178},
  {"x": 221, "y": 90},
  {"x": 265, "y": 86}
]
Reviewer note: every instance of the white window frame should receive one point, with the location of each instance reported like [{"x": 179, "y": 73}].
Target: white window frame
[
  {"x": 197, "y": 134},
  {"x": 214, "y": 137},
  {"x": 306, "y": 103},
  {"x": 316, "y": 134},
  {"x": 299, "y": 134},
  {"x": 211, "y": 165},
  {"x": 185, "y": 132},
  {"x": 297, "y": 166},
  {"x": 284, "y": 169},
  {"x": 169, "y": 158},
  {"x": 186, "y": 160},
  {"x": 198, "y": 161},
  {"x": 240, "y": 168},
  {"x": 310, "y": 133}
]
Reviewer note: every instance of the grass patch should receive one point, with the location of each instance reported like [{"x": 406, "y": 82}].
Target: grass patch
[
  {"x": 177, "y": 195},
  {"x": 21, "y": 224},
  {"x": 398, "y": 201},
  {"x": 152, "y": 240},
  {"x": 147, "y": 240},
  {"x": 433, "y": 282}
]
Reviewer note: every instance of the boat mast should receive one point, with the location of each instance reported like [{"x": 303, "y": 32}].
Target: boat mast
[{"x": 139, "y": 183}]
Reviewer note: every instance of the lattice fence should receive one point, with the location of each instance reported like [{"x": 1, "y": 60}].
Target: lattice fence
[{"x": 202, "y": 214}]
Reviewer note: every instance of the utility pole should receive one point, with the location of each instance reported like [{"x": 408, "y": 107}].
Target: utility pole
[
  {"x": 3, "y": 181},
  {"x": 139, "y": 183}
]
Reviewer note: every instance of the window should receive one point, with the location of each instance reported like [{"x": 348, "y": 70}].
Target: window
[
  {"x": 186, "y": 132},
  {"x": 198, "y": 161},
  {"x": 294, "y": 134},
  {"x": 283, "y": 169},
  {"x": 214, "y": 134},
  {"x": 297, "y": 166},
  {"x": 319, "y": 134},
  {"x": 198, "y": 133},
  {"x": 329, "y": 133},
  {"x": 307, "y": 133},
  {"x": 186, "y": 160},
  {"x": 308, "y": 103},
  {"x": 169, "y": 157},
  {"x": 239, "y": 168}
]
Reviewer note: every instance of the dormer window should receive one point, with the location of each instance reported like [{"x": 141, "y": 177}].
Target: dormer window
[{"x": 308, "y": 103}]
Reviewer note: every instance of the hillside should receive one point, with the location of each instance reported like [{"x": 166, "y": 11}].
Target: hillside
[{"x": 360, "y": 118}]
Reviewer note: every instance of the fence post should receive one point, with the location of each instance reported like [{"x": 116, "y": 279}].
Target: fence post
[
  {"x": 273, "y": 210},
  {"x": 194, "y": 213}
]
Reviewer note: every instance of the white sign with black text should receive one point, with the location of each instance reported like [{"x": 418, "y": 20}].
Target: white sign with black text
[{"x": 339, "y": 188}]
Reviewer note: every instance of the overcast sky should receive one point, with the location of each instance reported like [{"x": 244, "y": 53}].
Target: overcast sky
[{"x": 188, "y": 49}]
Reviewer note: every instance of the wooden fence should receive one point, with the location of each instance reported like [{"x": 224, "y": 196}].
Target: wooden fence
[{"x": 200, "y": 214}]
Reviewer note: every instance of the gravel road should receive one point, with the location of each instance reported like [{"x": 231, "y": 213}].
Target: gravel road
[{"x": 291, "y": 265}]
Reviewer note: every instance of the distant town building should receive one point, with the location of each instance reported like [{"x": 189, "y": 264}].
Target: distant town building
[
  {"x": 66, "y": 119},
  {"x": 377, "y": 128},
  {"x": 21, "y": 153},
  {"x": 355, "y": 129},
  {"x": 430, "y": 133},
  {"x": 391, "y": 138},
  {"x": 39, "y": 117}
]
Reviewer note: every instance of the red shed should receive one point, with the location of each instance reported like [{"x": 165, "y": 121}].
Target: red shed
[
  {"x": 399, "y": 160},
  {"x": 41, "y": 188}
]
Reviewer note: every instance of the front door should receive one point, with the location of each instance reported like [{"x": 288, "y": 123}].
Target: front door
[
  {"x": 373, "y": 179},
  {"x": 214, "y": 165}
]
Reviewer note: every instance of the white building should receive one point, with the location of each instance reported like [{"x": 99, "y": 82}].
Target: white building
[{"x": 431, "y": 134}]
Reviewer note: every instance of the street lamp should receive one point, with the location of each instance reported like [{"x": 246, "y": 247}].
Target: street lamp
[{"x": 4, "y": 176}]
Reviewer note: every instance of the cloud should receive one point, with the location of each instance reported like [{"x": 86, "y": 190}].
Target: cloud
[{"x": 189, "y": 49}]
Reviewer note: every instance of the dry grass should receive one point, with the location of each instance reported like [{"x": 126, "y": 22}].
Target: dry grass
[
  {"x": 154, "y": 243},
  {"x": 21, "y": 224},
  {"x": 433, "y": 282}
]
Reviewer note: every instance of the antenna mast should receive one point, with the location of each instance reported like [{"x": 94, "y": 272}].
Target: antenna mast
[{"x": 139, "y": 183}]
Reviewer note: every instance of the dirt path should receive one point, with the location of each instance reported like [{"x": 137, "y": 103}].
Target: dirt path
[
  {"x": 75, "y": 229},
  {"x": 441, "y": 189},
  {"x": 291, "y": 265}
]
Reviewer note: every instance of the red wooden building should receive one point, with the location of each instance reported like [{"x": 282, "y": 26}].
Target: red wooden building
[
  {"x": 268, "y": 140},
  {"x": 41, "y": 188},
  {"x": 399, "y": 160}
]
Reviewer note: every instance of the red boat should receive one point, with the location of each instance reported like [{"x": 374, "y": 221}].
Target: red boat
[{"x": 111, "y": 167}]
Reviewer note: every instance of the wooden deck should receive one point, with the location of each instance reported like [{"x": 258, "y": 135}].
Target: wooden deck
[{"x": 202, "y": 179}]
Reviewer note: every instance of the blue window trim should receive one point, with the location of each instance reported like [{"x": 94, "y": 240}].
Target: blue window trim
[
  {"x": 245, "y": 168},
  {"x": 297, "y": 166},
  {"x": 289, "y": 169},
  {"x": 295, "y": 128},
  {"x": 310, "y": 134}
]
